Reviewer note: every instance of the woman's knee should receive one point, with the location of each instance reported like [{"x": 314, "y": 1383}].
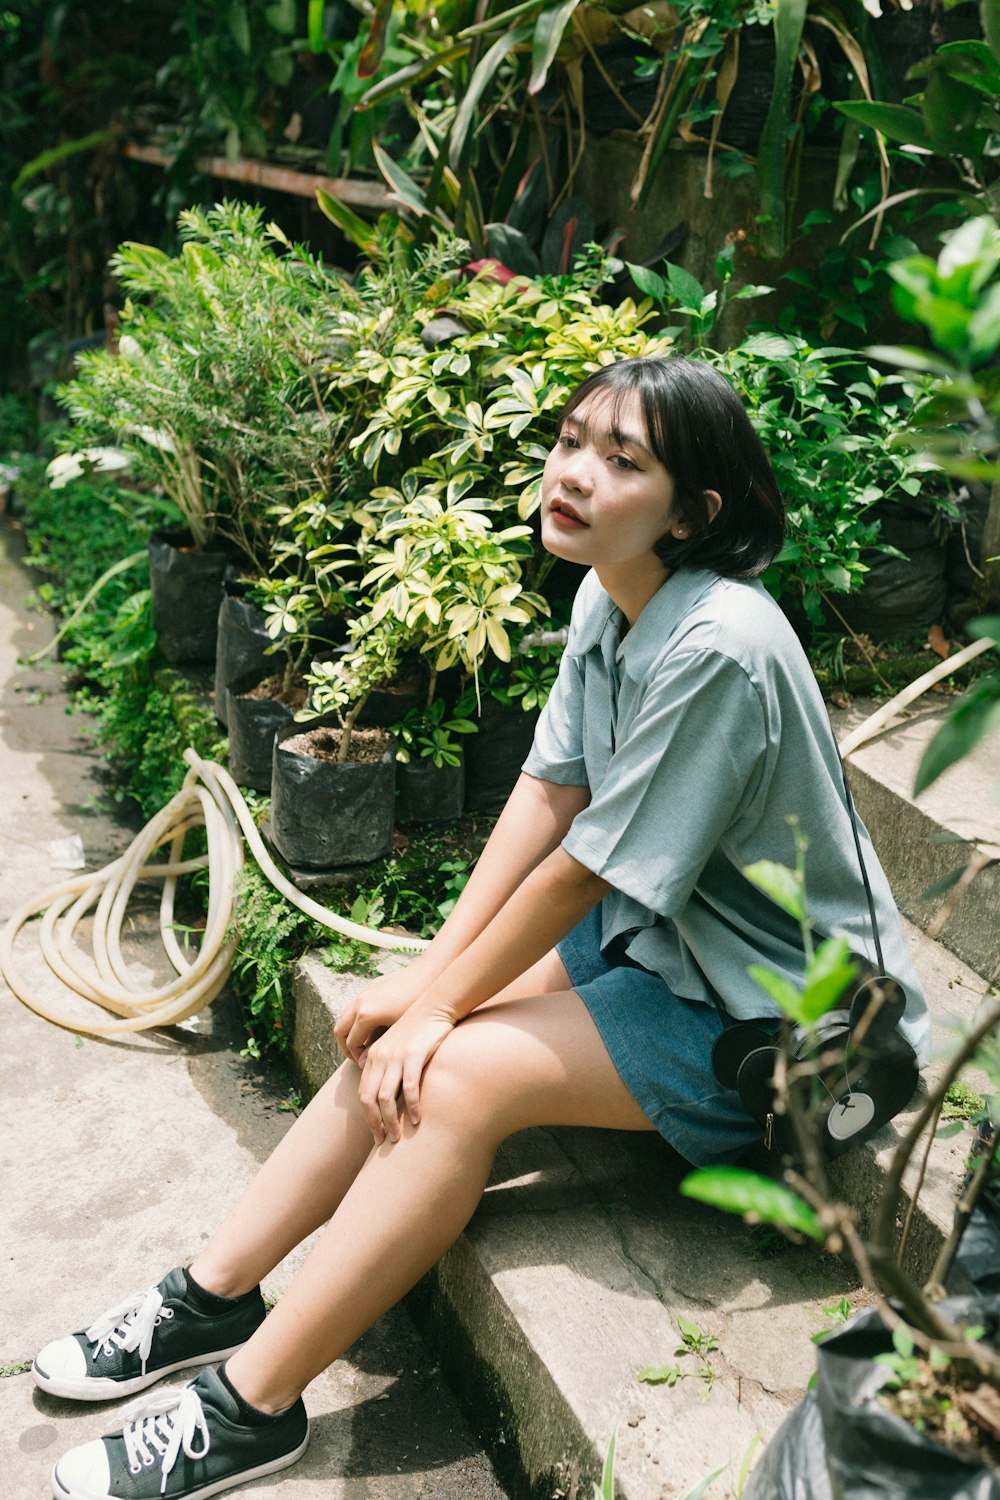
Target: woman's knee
[{"x": 461, "y": 1086}]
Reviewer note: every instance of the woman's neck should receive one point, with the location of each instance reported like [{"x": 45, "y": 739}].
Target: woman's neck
[{"x": 632, "y": 585}]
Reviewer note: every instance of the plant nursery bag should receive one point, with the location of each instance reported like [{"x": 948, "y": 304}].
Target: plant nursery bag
[{"x": 842, "y": 1443}]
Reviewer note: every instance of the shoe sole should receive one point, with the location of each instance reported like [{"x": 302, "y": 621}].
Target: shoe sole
[
  {"x": 103, "y": 1388},
  {"x": 215, "y": 1488},
  {"x": 60, "y": 1492}
]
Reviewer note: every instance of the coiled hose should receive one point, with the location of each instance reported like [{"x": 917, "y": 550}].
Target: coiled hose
[{"x": 209, "y": 798}]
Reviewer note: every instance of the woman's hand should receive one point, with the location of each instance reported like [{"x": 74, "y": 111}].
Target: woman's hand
[
  {"x": 394, "y": 1066},
  {"x": 379, "y": 1005}
]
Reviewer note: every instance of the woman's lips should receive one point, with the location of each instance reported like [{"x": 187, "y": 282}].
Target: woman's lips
[{"x": 564, "y": 515}]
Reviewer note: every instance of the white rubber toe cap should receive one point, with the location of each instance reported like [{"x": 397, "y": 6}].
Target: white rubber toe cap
[
  {"x": 83, "y": 1473},
  {"x": 63, "y": 1359}
]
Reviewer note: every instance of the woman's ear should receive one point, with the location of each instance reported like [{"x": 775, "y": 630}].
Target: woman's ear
[{"x": 713, "y": 504}]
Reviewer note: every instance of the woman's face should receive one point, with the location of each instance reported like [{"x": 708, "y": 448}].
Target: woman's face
[{"x": 606, "y": 499}]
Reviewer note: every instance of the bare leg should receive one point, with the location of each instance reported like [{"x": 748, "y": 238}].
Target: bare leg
[
  {"x": 512, "y": 1064},
  {"x": 308, "y": 1174}
]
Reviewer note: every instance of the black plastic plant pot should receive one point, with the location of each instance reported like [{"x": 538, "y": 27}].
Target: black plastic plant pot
[
  {"x": 253, "y": 724},
  {"x": 426, "y": 793},
  {"x": 241, "y": 647},
  {"x": 186, "y": 587},
  {"x": 843, "y": 1441},
  {"x": 328, "y": 814},
  {"x": 494, "y": 756}
]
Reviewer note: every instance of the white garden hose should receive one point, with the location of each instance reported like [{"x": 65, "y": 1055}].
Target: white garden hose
[
  {"x": 210, "y": 798},
  {"x": 877, "y": 721}
]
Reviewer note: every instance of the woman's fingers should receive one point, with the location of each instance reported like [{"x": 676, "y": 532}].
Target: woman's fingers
[{"x": 377, "y": 1093}]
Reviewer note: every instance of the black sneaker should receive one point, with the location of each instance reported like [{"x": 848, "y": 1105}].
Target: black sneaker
[
  {"x": 149, "y": 1335},
  {"x": 181, "y": 1445}
]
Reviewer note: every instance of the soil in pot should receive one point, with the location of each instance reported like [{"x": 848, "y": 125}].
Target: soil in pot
[
  {"x": 257, "y": 706},
  {"x": 426, "y": 793},
  {"x": 494, "y": 755},
  {"x": 186, "y": 587},
  {"x": 327, "y": 813}
]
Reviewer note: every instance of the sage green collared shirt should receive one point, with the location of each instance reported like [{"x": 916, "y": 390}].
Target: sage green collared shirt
[{"x": 700, "y": 731}]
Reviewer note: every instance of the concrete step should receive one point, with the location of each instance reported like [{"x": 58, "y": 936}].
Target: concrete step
[
  {"x": 583, "y": 1258},
  {"x": 923, "y": 840}
]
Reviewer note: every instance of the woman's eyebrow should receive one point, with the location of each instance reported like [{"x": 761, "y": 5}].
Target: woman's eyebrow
[{"x": 614, "y": 435}]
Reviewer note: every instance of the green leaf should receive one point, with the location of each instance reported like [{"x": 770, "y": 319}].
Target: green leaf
[
  {"x": 985, "y": 625},
  {"x": 659, "y": 1374},
  {"x": 650, "y": 283},
  {"x": 893, "y": 120},
  {"x": 697, "y": 1490},
  {"x": 782, "y": 885},
  {"x": 686, "y": 288},
  {"x": 549, "y": 30},
  {"x": 239, "y": 26},
  {"x": 56, "y": 154},
  {"x": 356, "y": 230},
  {"x": 951, "y": 111},
  {"x": 414, "y": 72},
  {"x": 984, "y": 325},
  {"x": 401, "y": 182},
  {"x": 970, "y": 722},
  {"x": 789, "y": 20},
  {"x": 315, "y": 25},
  {"x": 989, "y": 15},
  {"x": 737, "y": 1191},
  {"x": 281, "y": 17},
  {"x": 768, "y": 346},
  {"x": 780, "y": 989}
]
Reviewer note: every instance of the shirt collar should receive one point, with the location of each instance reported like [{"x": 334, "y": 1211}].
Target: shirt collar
[{"x": 644, "y": 643}]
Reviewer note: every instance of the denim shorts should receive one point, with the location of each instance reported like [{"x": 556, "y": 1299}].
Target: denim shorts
[{"x": 661, "y": 1046}]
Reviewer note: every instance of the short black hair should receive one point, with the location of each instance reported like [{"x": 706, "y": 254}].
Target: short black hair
[{"x": 698, "y": 428}]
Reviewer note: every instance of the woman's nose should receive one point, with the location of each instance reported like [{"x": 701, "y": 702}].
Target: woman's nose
[{"x": 576, "y": 470}]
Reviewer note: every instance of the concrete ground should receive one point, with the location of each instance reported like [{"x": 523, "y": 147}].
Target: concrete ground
[{"x": 119, "y": 1156}]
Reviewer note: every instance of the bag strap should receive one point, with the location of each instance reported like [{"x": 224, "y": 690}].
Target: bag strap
[{"x": 861, "y": 861}]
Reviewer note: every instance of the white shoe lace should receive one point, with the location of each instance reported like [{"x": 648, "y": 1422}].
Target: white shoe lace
[
  {"x": 129, "y": 1325},
  {"x": 164, "y": 1425}
]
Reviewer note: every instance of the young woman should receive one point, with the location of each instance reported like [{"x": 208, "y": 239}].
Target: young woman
[{"x": 584, "y": 975}]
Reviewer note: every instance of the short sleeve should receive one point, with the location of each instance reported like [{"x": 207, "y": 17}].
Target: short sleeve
[
  {"x": 686, "y": 766},
  {"x": 557, "y": 751}
]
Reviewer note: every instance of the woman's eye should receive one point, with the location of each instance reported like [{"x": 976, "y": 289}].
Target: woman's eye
[
  {"x": 621, "y": 462},
  {"x": 566, "y": 440}
]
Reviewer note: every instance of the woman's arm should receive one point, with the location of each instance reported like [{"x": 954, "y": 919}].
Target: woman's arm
[{"x": 534, "y": 822}]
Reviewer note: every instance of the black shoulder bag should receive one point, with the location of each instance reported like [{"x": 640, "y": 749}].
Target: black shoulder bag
[{"x": 852, "y": 1071}]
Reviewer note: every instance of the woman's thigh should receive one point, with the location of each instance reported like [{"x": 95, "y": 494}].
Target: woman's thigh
[{"x": 529, "y": 1059}]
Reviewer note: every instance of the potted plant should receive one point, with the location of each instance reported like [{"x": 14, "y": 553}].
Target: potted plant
[
  {"x": 430, "y": 773},
  {"x": 214, "y": 393},
  {"x": 333, "y": 782},
  {"x": 267, "y": 638}
]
